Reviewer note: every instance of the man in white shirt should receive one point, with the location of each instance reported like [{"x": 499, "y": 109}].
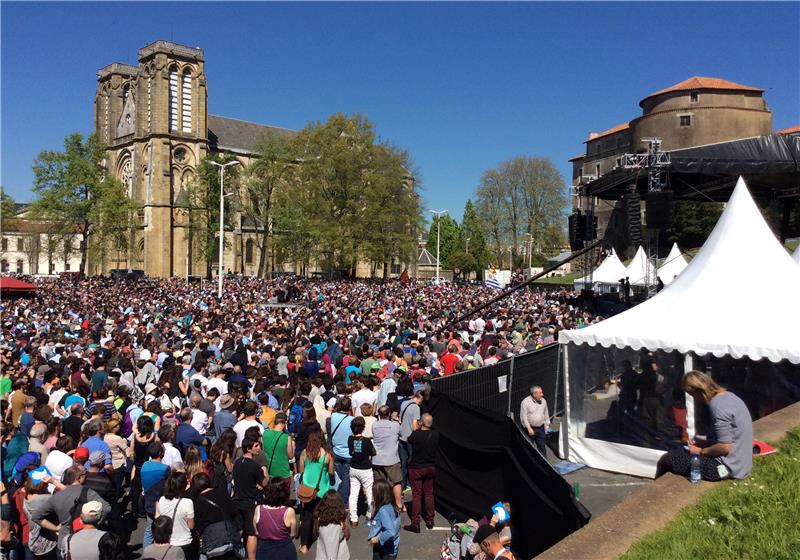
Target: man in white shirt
[
  {"x": 363, "y": 396},
  {"x": 199, "y": 418},
  {"x": 171, "y": 453},
  {"x": 250, "y": 411},
  {"x": 535, "y": 417}
]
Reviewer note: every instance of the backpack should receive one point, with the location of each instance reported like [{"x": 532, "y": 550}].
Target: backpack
[
  {"x": 295, "y": 415},
  {"x": 127, "y": 423},
  {"x": 75, "y": 523}
]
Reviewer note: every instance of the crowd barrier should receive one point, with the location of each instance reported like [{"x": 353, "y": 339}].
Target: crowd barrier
[{"x": 501, "y": 387}]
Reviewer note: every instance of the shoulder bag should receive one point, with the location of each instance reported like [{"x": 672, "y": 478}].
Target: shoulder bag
[
  {"x": 217, "y": 539},
  {"x": 307, "y": 493}
]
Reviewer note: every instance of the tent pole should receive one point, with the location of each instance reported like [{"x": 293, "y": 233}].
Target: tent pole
[
  {"x": 564, "y": 428},
  {"x": 510, "y": 388},
  {"x": 688, "y": 365}
]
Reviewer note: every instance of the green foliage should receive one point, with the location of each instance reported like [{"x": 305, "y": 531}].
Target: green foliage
[
  {"x": 261, "y": 181},
  {"x": 449, "y": 238},
  {"x": 464, "y": 261},
  {"x": 202, "y": 200},
  {"x": 76, "y": 195},
  {"x": 693, "y": 222},
  {"x": 472, "y": 229},
  {"x": 6, "y": 205},
  {"x": 753, "y": 518},
  {"x": 356, "y": 198},
  {"x": 522, "y": 195}
]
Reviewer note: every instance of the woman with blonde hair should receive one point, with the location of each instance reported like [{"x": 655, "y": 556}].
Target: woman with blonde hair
[
  {"x": 727, "y": 452},
  {"x": 192, "y": 462}
]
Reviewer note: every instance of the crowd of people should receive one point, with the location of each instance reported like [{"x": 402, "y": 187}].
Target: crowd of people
[{"x": 233, "y": 427}]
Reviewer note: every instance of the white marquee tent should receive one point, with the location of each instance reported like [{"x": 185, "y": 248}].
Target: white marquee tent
[
  {"x": 610, "y": 271},
  {"x": 741, "y": 278},
  {"x": 796, "y": 255},
  {"x": 637, "y": 269},
  {"x": 673, "y": 265}
]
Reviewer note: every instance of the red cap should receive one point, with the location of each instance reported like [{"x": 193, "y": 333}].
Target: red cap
[{"x": 81, "y": 455}]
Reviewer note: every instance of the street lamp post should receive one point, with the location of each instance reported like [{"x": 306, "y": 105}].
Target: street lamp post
[
  {"x": 530, "y": 251},
  {"x": 468, "y": 245},
  {"x": 222, "y": 167},
  {"x": 438, "y": 224}
]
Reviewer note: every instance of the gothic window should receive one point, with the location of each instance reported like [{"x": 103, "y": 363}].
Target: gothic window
[
  {"x": 4, "y": 244},
  {"x": 248, "y": 251},
  {"x": 20, "y": 244},
  {"x": 186, "y": 102},
  {"x": 173, "y": 98},
  {"x": 19, "y": 266},
  {"x": 180, "y": 155},
  {"x": 126, "y": 176},
  {"x": 3, "y": 265}
]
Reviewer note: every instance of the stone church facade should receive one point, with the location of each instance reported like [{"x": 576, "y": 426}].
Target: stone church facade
[{"x": 154, "y": 119}]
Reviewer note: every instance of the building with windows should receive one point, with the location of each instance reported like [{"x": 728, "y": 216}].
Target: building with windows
[
  {"x": 31, "y": 247},
  {"x": 694, "y": 112}
]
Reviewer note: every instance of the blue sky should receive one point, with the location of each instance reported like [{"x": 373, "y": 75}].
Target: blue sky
[{"x": 461, "y": 86}]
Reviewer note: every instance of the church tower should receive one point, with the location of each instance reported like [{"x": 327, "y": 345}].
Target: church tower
[{"x": 153, "y": 119}]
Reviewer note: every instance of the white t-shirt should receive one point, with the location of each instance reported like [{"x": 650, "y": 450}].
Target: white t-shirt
[
  {"x": 55, "y": 396},
  {"x": 171, "y": 455},
  {"x": 242, "y": 426},
  {"x": 203, "y": 383},
  {"x": 220, "y": 385},
  {"x": 181, "y": 534},
  {"x": 199, "y": 421},
  {"x": 361, "y": 397}
]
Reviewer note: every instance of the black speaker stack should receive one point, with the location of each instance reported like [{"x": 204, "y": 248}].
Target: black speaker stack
[{"x": 658, "y": 209}]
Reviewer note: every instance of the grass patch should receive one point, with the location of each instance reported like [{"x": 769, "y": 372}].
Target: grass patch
[
  {"x": 566, "y": 280},
  {"x": 749, "y": 519}
]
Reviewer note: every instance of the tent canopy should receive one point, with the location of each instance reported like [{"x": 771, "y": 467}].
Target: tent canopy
[
  {"x": 8, "y": 284},
  {"x": 673, "y": 265},
  {"x": 610, "y": 271},
  {"x": 637, "y": 269},
  {"x": 737, "y": 297},
  {"x": 796, "y": 255}
]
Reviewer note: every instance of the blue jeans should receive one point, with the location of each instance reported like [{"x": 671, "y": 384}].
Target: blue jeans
[
  {"x": 147, "y": 539},
  {"x": 404, "y": 450},
  {"x": 342, "y": 467}
]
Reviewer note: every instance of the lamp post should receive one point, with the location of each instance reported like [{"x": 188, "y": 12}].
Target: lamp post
[
  {"x": 438, "y": 214},
  {"x": 222, "y": 167},
  {"x": 530, "y": 251},
  {"x": 468, "y": 245}
]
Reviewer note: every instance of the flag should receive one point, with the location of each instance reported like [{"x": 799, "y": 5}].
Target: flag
[{"x": 491, "y": 279}]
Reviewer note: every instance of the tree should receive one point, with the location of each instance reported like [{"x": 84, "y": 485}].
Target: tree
[
  {"x": 463, "y": 261},
  {"x": 522, "y": 195},
  {"x": 693, "y": 222},
  {"x": 261, "y": 181},
  {"x": 75, "y": 194},
  {"x": 473, "y": 238},
  {"x": 357, "y": 196},
  {"x": 449, "y": 238},
  {"x": 7, "y": 205},
  {"x": 202, "y": 199}
]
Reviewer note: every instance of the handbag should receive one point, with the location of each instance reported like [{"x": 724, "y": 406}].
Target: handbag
[
  {"x": 217, "y": 538},
  {"x": 307, "y": 493}
]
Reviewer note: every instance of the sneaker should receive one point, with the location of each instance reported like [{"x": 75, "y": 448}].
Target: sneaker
[
  {"x": 429, "y": 525},
  {"x": 412, "y": 528}
]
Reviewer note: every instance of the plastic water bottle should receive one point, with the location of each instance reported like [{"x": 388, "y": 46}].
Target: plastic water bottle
[{"x": 694, "y": 475}]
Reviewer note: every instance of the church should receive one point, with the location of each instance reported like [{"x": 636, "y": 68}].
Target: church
[{"x": 154, "y": 120}]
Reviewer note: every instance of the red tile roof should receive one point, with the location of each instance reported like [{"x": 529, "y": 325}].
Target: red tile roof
[
  {"x": 612, "y": 130},
  {"x": 576, "y": 158},
  {"x": 698, "y": 83},
  {"x": 790, "y": 130}
]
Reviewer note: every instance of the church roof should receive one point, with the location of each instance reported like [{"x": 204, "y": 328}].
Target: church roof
[
  {"x": 225, "y": 133},
  {"x": 699, "y": 82},
  {"x": 426, "y": 259}
]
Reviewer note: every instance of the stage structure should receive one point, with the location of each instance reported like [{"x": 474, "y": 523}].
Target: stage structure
[{"x": 732, "y": 312}]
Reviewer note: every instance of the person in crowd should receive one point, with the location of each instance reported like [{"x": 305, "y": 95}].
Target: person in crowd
[
  {"x": 487, "y": 537},
  {"x": 139, "y": 453},
  {"x": 422, "y": 472},
  {"x": 384, "y": 531},
  {"x": 112, "y": 546},
  {"x": 162, "y": 549},
  {"x": 176, "y": 505},
  {"x": 153, "y": 476},
  {"x": 274, "y": 525},
  {"x": 249, "y": 413},
  {"x": 213, "y": 507},
  {"x": 278, "y": 448},
  {"x": 186, "y": 434},
  {"x": 339, "y": 430},
  {"x": 42, "y": 533},
  {"x": 410, "y": 411},
  {"x": 331, "y": 528},
  {"x": 224, "y": 419},
  {"x": 249, "y": 481},
  {"x": 86, "y": 542},
  {"x": 535, "y": 418},
  {"x": 728, "y": 451},
  {"x": 119, "y": 455},
  {"x": 361, "y": 452},
  {"x": 386, "y": 462},
  {"x": 316, "y": 468},
  {"x": 166, "y": 435}
]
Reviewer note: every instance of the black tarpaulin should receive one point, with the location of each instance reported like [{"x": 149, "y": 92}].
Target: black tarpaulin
[
  {"x": 484, "y": 458},
  {"x": 773, "y": 154}
]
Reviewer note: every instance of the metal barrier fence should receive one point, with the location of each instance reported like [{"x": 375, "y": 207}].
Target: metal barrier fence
[{"x": 502, "y": 387}]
